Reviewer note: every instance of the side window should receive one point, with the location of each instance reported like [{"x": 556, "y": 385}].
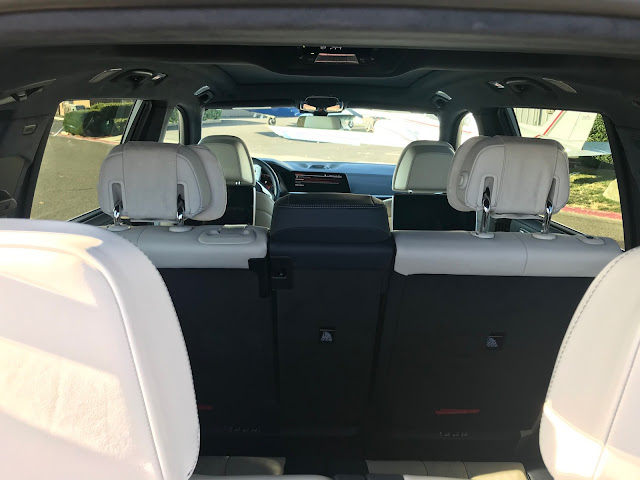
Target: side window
[
  {"x": 82, "y": 134},
  {"x": 467, "y": 129},
  {"x": 173, "y": 130},
  {"x": 594, "y": 199}
]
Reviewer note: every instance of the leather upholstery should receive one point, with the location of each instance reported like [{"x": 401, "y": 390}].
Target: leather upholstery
[
  {"x": 208, "y": 246},
  {"x": 94, "y": 373},
  {"x": 238, "y": 465},
  {"x": 521, "y": 173},
  {"x": 382, "y": 470},
  {"x": 330, "y": 217},
  {"x": 264, "y": 205},
  {"x": 423, "y": 167},
  {"x": 233, "y": 155},
  {"x": 590, "y": 422},
  {"x": 147, "y": 177},
  {"x": 237, "y": 164},
  {"x": 506, "y": 254}
]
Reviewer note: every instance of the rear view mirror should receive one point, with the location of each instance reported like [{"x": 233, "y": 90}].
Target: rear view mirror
[{"x": 321, "y": 105}]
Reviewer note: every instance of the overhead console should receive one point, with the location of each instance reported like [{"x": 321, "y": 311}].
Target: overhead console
[{"x": 320, "y": 182}]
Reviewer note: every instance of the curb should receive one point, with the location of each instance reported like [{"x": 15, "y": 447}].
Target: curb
[{"x": 592, "y": 213}]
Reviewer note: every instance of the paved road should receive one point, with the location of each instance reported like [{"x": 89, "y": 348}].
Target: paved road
[
  {"x": 264, "y": 143},
  {"x": 68, "y": 178},
  {"x": 67, "y": 183}
]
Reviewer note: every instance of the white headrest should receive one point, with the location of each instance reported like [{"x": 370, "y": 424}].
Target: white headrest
[
  {"x": 521, "y": 174},
  {"x": 94, "y": 373},
  {"x": 233, "y": 155},
  {"x": 591, "y": 418},
  {"x": 423, "y": 167},
  {"x": 146, "y": 178}
]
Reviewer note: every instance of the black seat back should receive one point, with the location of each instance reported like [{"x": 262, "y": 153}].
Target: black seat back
[
  {"x": 330, "y": 255},
  {"x": 414, "y": 211},
  {"x": 475, "y": 319}
]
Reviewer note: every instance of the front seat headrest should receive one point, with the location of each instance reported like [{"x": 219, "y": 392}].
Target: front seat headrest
[
  {"x": 520, "y": 173},
  {"x": 590, "y": 421},
  {"x": 94, "y": 373},
  {"x": 144, "y": 180},
  {"x": 423, "y": 167},
  {"x": 233, "y": 155}
]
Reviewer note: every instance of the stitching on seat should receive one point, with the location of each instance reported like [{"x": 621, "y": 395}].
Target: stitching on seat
[
  {"x": 154, "y": 272},
  {"x": 466, "y": 472},
  {"x": 574, "y": 323},
  {"x": 619, "y": 400}
]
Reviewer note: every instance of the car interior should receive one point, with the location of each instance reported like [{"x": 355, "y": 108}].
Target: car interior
[{"x": 351, "y": 262}]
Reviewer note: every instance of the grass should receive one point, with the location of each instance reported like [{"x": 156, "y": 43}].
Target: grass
[{"x": 588, "y": 186}]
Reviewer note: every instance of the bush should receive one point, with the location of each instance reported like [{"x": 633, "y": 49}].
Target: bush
[
  {"x": 73, "y": 122},
  {"x": 174, "y": 117},
  {"x": 212, "y": 114},
  {"x": 101, "y": 120},
  {"x": 599, "y": 134}
]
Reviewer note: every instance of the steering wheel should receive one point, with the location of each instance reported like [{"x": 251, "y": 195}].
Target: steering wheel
[{"x": 272, "y": 186}]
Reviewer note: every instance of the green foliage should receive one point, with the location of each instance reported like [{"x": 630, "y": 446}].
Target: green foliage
[
  {"x": 101, "y": 120},
  {"x": 212, "y": 114},
  {"x": 74, "y": 122},
  {"x": 174, "y": 117},
  {"x": 599, "y": 134}
]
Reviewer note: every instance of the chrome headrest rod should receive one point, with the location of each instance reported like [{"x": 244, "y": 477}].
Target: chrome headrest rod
[
  {"x": 180, "y": 214},
  {"x": 546, "y": 221},
  {"x": 117, "y": 217},
  {"x": 486, "y": 205}
]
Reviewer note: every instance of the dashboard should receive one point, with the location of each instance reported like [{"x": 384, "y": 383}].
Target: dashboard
[{"x": 339, "y": 177}]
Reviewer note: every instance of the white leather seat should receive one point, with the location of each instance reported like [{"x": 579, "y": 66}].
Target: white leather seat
[
  {"x": 447, "y": 470},
  {"x": 145, "y": 179},
  {"x": 423, "y": 167},
  {"x": 420, "y": 180},
  {"x": 94, "y": 373},
  {"x": 590, "y": 418},
  {"x": 211, "y": 274},
  {"x": 239, "y": 465},
  {"x": 590, "y": 421},
  {"x": 237, "y": 164}
]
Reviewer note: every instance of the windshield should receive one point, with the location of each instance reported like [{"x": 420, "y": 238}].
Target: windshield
[{"x": 354, "y": 135}]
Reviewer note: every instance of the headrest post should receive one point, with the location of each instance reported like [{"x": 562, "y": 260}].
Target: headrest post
[
  {"x": 180, "y": 211},
  {"x": 486, "y": 205},
  {"x": 117, "y": 218},
  {"x": 546, "y": 222}
]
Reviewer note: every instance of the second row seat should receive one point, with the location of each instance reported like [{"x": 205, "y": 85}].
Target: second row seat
[
  {"x": 474, "y": 320},
  {"x": 215, "y": 275},
  {"x": 289, "y": 335}
]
